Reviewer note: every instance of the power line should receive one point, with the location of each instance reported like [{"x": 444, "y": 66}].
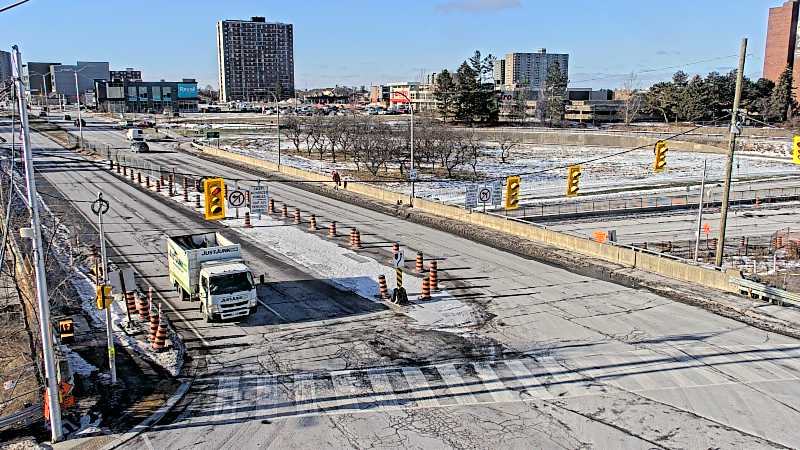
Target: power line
[{"x": 14, "y": 5}]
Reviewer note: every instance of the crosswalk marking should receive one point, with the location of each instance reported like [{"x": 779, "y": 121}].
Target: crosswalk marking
[
  {"x": 492, "y": 383},
  {"x": 455, "y": 384},
  {"x": 465, "y": 383},
  {"x": 416, "y": 381}
]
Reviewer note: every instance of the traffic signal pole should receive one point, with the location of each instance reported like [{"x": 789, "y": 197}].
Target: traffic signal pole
[
  {"x": 726, "y": 192},
  {"x": 56, "y": 433},
  {"x": 100, "y": 206}
]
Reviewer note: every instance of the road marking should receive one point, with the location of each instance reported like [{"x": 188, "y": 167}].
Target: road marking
[
  {"x": 348, "y": 394},
  {"x": 304, "y": 393},
  {"x": 380, "y": 383},
  {"x": 420, "y": 389},
  {"x": 271, "y": 310},
  {"x": 491, "y": 382},
  {"x": 525, "y": 379},
  {"x": 457, "y": 386}
]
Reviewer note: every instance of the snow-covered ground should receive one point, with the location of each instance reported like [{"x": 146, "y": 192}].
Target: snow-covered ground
[{"x": 632, "y": 169}]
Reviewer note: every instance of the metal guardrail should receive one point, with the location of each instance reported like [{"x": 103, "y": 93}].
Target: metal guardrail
[
  {"x": 763, "y": 292},
  {"x": 21, "y": 418}
]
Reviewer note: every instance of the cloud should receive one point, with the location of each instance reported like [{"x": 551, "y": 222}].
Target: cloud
[
  {"x": 472, "y": 6},
  {"x": 667, "y": 52}
]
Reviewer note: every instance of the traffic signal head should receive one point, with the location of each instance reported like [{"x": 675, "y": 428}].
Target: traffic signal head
[
  {"x": 573, "y": 180},
  {"x": 104, "y": 297},
  {"x": 214, "y": 190},
  {"x": 661, "y": 156},
  {"x": 796, "y": 149},
  {"x": 512, "y": 192}
]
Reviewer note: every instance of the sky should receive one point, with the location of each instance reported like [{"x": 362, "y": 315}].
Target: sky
[{"x": 365, "y": 42}]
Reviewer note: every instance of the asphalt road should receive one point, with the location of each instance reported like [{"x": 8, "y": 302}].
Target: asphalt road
[{"x": 542, "y": 357}]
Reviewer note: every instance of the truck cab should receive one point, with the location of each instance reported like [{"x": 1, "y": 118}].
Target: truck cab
[
  {"x": 226, "y": 291},
  {"x": 208, "y": 267}
]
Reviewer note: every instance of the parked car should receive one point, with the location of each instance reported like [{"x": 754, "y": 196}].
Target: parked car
[
  {"x": 81, "y": 124},
  {"x": 67, "y": 117}
]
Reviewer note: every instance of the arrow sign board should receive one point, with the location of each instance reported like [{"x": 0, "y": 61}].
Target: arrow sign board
[
  {"x": 399, "y": 259},
  {"x": 236, "y": 198},
  {"x": 497, "y": 193},
  {"x": 485, "y": 194},
  {"x": 259, "y": 198},
  {"x": 471, "y": 197}
]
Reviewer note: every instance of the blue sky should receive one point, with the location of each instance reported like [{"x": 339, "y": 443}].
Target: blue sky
[{"x": 356, "y": 42}]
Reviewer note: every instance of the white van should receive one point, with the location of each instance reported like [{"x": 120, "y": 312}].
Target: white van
[{"x": 135, "y": 134}]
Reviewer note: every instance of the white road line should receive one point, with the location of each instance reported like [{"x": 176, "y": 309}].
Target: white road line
[
  {"x": 461, "y": 394},
  {"x": 525, "y": 378},
  {"x": 420, "y": 389},
  {"x": 305, "y": 394},
  {"x": 380, "y": 383},
  {"x": 491, "y": 381},
  {"x": 347, "y": 393},
  {"x": 271, "y": 310}
]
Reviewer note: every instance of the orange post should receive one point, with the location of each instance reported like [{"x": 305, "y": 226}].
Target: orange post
[
  {"x": 433, "y": 272},
  {"x": 247, "y": 223},
  {"x": 426, "y": 289},
  {"x": 153, "y": 322},
  {"x": 332, "y": 229},
  {"x": 285, "y": 211},
  {"x": 271, "y": 206},
  {"x": 419, "y": 266},
  {"x": 312, "y": 224},
  {"x": 159, "y": 343},
  {"x": 383, "y": 287},
  {"x": 297, "y": 216}
]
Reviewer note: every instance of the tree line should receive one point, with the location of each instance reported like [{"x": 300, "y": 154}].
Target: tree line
[
  {"x": 376, "y": 146},
  {"x": 711, "y": 97}
]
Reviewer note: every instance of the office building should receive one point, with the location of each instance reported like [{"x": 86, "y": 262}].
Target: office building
[
  {"x": 36, "y": 76},
  {"x": 499, "y": 71},
  {"x": 136, "y": 96},
  {"x": 530, "y": 69},
  {"x": 63, "y": 78},
  {"x": 129, "y": 74},
  {"x": 781, "y": 48},
  {"x": 256, "y": 60},
  {"x": 5, "y": 66}
]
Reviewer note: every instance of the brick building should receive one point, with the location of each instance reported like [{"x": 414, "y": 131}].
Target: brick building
[{"x": 781, "y": 47}]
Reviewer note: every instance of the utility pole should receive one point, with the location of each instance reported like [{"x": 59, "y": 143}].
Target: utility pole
[
  {"x": 80, "y": 121},
  {"x": 723, "y": 219},
  {"x": 35, "y": 233},
  {"x": 700, "y": 211},
  {"x": 100, "y": 207}
]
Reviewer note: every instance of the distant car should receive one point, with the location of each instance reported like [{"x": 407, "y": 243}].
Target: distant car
[
  {"x": 42, "y": 113},
  {"x": 82, "y": 123},
  {"x": 139, "y": 147},
  {"x": 67, "y": 117}
]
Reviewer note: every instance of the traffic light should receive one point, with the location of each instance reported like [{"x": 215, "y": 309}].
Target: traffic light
[
  {"x": 796, "y": 149},
  {"x": 104, "y": 298},
  {"x": 512, "y": 192},
  {"x": 573, "y": 179},
  {"x": 214, "y": 190},
  {"x": 661, "y": 156}
]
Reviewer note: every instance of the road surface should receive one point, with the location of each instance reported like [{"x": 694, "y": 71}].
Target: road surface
[{"x": 525, "y": 355}]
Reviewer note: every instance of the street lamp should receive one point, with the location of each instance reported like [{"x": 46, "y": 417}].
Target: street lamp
[
  {"x": 412, "y": 174},
  {"x": 278, "y": 112}
]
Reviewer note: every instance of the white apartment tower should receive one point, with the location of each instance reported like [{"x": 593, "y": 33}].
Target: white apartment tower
[{"x": 530, "y": 69}]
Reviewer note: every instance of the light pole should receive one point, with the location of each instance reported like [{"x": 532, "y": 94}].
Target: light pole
[
  {"x": 80, "y": 122},
  {"x": 412, "y": 175},
  {"x": 278, "y": 112},
  {"x": 700, "y": 211}
]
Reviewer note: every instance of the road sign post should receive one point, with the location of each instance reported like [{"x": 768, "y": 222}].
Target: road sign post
[
  {"x": 259, "y": 199},
  {"x": 399, "y": 294},
  {"x": 100, "y": 207}
]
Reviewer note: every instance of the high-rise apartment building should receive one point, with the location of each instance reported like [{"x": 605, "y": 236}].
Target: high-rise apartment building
[
  {"x": 256, "y": 59},
  {"x": 781, "y": 47},
  {"x": 530, "y": 69},
  {"x": 5, "y": 65}
]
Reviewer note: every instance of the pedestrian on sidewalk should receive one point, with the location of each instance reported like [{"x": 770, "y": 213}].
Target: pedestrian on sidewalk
[{"x": 337, "y": 179}]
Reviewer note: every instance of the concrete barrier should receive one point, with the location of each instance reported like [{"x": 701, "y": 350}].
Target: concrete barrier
[{"x": 624, "y": 256}]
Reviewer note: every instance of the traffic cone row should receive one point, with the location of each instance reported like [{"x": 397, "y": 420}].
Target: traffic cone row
[
  {"x": 332, "y": 229},
  {"x": 297, "y": 216},
  {"x": 147, "y": 181},
  {"x": 171, "y": 184},
  {"x": 160, "y": 340},
  {"x": 125, "y": 171},
  {"x": 119, "y": 168},
  {"x": 247, "y": 223},
  {"x": 133, "y": 175},
  {"x": 144, "y": 305},
  {"x": 434, "y": 275},
  {"x": 382, "y": 287},
  {"x": 197, "y": 201},
  {"x": 312, "y": 224},
  {"x": 395, "y": 249},
  {"x": 355, "y": 238},
  {"x": 185, "y": 192},
  {"x": 419, "y": 267},
  {"x": 271, "y": 207},
  {"x": 285, "y": 211},
  {"x": 139, "y": 177}
]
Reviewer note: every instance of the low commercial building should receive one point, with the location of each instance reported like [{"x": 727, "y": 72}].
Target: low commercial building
[{"x": 147, "y": 96}]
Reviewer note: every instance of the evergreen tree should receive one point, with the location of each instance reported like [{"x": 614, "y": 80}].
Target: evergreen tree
[
  {"x": 555, "y": 92},
  {"x": 782, "y": 101},
  {"x": 467, "y": 99},
  {"x": 445, "y": 94}
]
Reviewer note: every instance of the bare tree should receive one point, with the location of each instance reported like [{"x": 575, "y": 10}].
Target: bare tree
[
  {"x": 633, "y": 100},
  {"x": 294, "y": 130},
  {"x": 450, "y": 150},
  {"x": 472, "y": 151},
  {"x": 506, "y": 141}
]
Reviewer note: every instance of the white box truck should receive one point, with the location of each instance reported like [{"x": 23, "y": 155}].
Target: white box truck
[
  {"x": 208, "y": 267},
  {"x": 135, "y": 135}
]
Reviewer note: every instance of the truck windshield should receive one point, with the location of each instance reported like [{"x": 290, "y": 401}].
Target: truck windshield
[{"x": 228, "y": 284}]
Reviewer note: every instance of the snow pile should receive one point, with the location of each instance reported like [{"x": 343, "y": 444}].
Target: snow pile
[
  {"x": 78, "y": 365},
  {"x": 170, "y": 359}
]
